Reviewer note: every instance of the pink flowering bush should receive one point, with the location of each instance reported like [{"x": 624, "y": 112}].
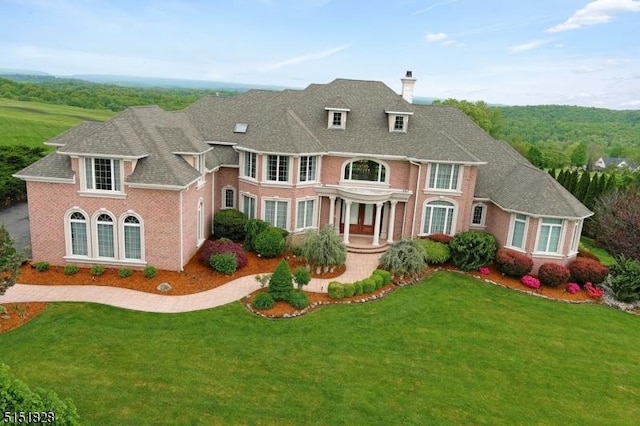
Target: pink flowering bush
[
  {"x": 594, "y": 292},
  {"x": 484, "y": 271},
  {"x": 573, "y": 288},
  {"x": 531, "y": 282}
]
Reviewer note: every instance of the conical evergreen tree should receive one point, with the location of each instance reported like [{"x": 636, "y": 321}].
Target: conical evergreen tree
[
  {"x": 582, "y": 186},
  {"x": 562, "y": 178},
  {"x": 281, "y": 282},
  {"x": 602, "y": 183},
  {"x": 572, "y": 181},
  {"x": 611, "y": 184},
  {"x": 552, "y": 172},
  {"x": 592, "y": 192}
]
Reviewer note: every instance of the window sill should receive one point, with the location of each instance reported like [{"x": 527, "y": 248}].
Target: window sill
[
  {"x": 248, "y": 179},
  {"x": 103, "y": 194},
  {"x": 104, "y": 261},
  {"x": 550, "y": 255},
  {"x": 442, "y": 191},
  {"x": 364, "y": 183},
  {"x": 277, "y": 184},
  {"x": 521, "y": 250}
]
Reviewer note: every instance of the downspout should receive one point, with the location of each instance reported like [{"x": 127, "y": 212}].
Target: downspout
[
  {"x": 213, "y": 196},
  {"x": 415, "y": 201},
  {"x": 181, "y": 236}
]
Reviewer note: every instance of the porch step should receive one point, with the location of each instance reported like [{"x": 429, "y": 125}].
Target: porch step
[{"x": 366, "y": 249}]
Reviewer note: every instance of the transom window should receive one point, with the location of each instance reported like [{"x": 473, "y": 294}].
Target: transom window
[
  {"x": 250, "y": 164},
  {"x": 518, "y": 231},
  {"x": 275, "y": 213},
  {"x": 305, "y": 214},
  {"x": 365, "y": 170},
  {"x": 277, "y": 168},
  {"x": 438, "y": 217},
  {"x": 308, "y": 165},
  {"x": 102, "y": 174},
  {"x": 549, "y": 236},
  {"x": 444, "y": 176},
  {"x": 79, "y": 241},
  {"x": 106, "y": 246},
  {"x": 132, "y": 238}
]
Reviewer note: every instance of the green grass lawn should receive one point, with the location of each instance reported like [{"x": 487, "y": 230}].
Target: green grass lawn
[
  {"x": 451, "y": 350},
  {"x": 603, "y": 255},
  {"x": 32, "y": 123}
]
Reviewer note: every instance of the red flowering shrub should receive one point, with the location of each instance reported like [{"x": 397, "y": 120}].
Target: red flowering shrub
[
  {"x": 513, "y": 263},
  {"x": 440, "y": 238},
  {"x": 211, "y": 247},
  {"x": 594, "y": 292},
  {"x": 553, "y": 274},
  {"x": 584, "y": 270}
]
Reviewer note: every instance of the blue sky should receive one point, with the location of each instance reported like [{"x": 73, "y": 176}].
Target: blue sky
[{"x": 577, "y": 52}]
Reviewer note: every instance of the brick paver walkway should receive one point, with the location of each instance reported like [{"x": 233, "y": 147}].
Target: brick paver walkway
[{"x": 359, "y": 266}]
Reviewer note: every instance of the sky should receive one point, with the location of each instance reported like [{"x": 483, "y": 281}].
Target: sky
[{"x": 512, "y": 52}]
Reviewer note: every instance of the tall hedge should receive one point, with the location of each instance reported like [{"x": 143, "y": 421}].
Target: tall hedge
[{"x": 229, "y": 223}]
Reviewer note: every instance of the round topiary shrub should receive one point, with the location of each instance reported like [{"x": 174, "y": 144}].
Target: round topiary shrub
[
  {"x": 263, "y": 301},
  {"x": 299, "y": 299},
  {"x": 472, "y": 249},
  {"x": 335, "y": 290},
  {"x": 348, "y": 289},
  {"x": 368, "y": 285},
  {"x": 150, "y": 271},
  {"x": 357, "y": 288},
  {"x": 301, "y": 276},
  {"x": 211, "y": 247},
  {"x": 224, "y": 263},
  {"x": 513, "y": 263},
  {"x": 553, "y": 274},
  {"x": 253, "y": 228},
  {"x": 435, "y": 252},
  {"x": 584, "y": 270},
  {"x": 378, "y": 280},
  {"x": 386, "y": 276},
  {"x": 71, "y": 270},
  {"x": 229, "y": 223},
  {"x": 270, "y": 243}
]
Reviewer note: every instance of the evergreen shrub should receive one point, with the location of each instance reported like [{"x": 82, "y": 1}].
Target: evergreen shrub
[
  {"x": 211, "y": 247},
  {"x": 299, "y": 299},
  {"x": 270, "y": 243},
  {"x": 149, "y": 271},
  {"x": 435, "y": 252},
  {"x": 513, "y": 263},
  {"x": 335, "y": 290},
  {"x": 97, "y": 270},
  {"x": 71, "y": 270},
  {"x": 404, "y": 257},
  {"x": 229, "y": 223},
  {"x": 357, "y": 288},
  {"x": 263, "y": 301},
  {"x": 378, "y": 280},
  {"x": 348, "y": 289},
  {"x": 253, "y": 228},
  {"x": 41, "y": 266},
  {"x": 125, "y": 272},
  {"x": 224, "y": 263},
  {"x": 584, "y": 270},
  {"x": 553, "y": 274},
  {"x": 624, "y": 281},
  {"x": 368, "y": 285},
  {"x": 281, "y": 282},
  {"x": 386, "y": 276},
  {"x": 472, "y": 249}
]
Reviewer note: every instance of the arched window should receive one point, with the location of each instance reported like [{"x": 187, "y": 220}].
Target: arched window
[
  {"x": 132, "y": 238},
  {"x": 104, "y": 226},
  {"x": 438, "y": 217},
  {"x": 365, "y": 170},
  {"x": 79, "y": 240}
]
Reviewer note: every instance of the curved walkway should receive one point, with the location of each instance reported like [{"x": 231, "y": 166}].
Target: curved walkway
[{"x": 359, "y": 266}]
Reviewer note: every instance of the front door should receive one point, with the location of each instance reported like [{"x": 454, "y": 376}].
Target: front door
[{"x": 361, "y": 220}]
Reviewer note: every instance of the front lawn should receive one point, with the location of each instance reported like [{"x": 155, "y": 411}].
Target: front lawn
[{"x": 452, "y": 350}]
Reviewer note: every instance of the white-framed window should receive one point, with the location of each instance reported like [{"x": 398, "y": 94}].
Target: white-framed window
[
  {"x": 444, "y": 176},
  {"x": 102, "y": 174},
  {"x": 199, "y": 162},
  {"x": 337, "y": 119},
  {"x": 308, "y": 168},
  {"x": 398, "y": 122},
  {"x": 276, "y": 213},
  {"x": 518, "y": 231},
  {"x": 305, "y": 217},
  {"x": 478, "y": 214},
  {"x": 438, "y": 217},
  {"x": 249, "y": 206},
  {"x": 132, "y": 237},
  {"x": 249, "y": 166},
  {"x": 365, "y": 170},
  {"x": 228, "y": 197},
  {"x": 79, "y": 234},
  {"x": 105, "y": 236},
  {"x": 549, "y": 235},
  {"x": 200, "y": 222},
  {"x": 277, "y": 169},
  {"x": 575, "y": 239}
]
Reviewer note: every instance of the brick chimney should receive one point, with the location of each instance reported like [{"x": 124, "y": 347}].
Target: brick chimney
[{"x": 407, "y": 87}]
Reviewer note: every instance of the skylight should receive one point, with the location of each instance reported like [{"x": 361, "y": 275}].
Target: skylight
[{"x": 240, "y": 128}]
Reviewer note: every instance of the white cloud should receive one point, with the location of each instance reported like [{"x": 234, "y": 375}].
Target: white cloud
[
  {"x": 596, "y": 12},
  {"x": 304, "y": 58},
  {"x": 528, "y": 46},
  {"x": 433, "y": 37}
]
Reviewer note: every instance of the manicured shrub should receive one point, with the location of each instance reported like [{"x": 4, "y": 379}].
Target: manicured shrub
[
  {"x": 335, "y": 290},
  {"x": 553, "y": 274},
  {"x": 473, "y": 249},
  {"x": 348, "y": 289},
  {"x": 583, "y": 252},
  {"x": 368, "y": 285},
  {"x": 211, "y": 247},
  {"x": 253, "y": 228},
  {"x": 301, "y": 276},
  {"x": 125, "y": 272},
  {"x": 224, "y": 263},
  {"x": 281, "y": 282},
  {"x": 624, "y": 281},
  {"x": 404, "y": 258},
  {"x": 263, "y": 301},
  {"x": 97, "y": 270},
  {"x": 513, "y": 263},
  {"x": 595, "y": 292},
  {"x": 270, "y": 243},
  {"x": 229, "y": 223},
  {"x": 357, "y": 288},
  {"x": 41, "y": 266},
  {"x": 440, "y": 238},
  {"x": 149, "y": 271},
  {"x": 584, "y": 270},
  {"x": 435, "y": 252},
  {"x": 378, "y": 280},
  {"x": 299, "y": 299},
  {"x": 386, "y": 276},
  {"x": 324, "y": 249},
  {"x": 71, "y": 270}
]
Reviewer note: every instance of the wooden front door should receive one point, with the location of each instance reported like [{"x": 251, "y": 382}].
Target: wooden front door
[{"x": 361, "y": 219}]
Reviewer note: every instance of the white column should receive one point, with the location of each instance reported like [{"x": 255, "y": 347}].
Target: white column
[
  {"x": 376, "y": 227},
  {"x": 392, "y": 219},
  {"x": 332, "y": 209},
  {"x": 347, "y": 220}
]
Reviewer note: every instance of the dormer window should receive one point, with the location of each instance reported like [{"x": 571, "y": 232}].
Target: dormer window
[
  {"x": 398, "y": 121},
  {"x": 398, "y": 124},
  {"x": 102, "y": 174},
  {"x": 337, "y": 117}
]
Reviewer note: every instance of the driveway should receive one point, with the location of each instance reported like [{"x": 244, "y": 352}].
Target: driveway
[{"x": 16, "y": 220}]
